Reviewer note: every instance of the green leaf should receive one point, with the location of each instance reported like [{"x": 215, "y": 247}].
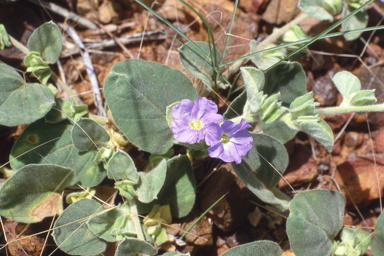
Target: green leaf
[
  {"x": 289, "y": 79},
  {"x": 377, "y": 245},
  {"x": 134, "y": 246},
  {"x": 197, "y": 65},
  {"x": 138, "y": 93},
  {"x": 303, "y": 106},
  {"x": 151, "y": 182},
  {"x": 271, "y": 109},
  {"x": 256, "y": 169},
  {"x": 86, "y": 133},
  {"x": 279, "y": 130},
  {"x": 258, "y": 248},
  {"x": 179, "y": 186},
  {"x": 236, "y": 107},
  {"x": 34, "y": 192},
  {"x": 58, "y": 150},
  {"x": 320, "y": 9},
  {"x": 254, "y": 83},
  {"x": 4, "y": 38},
  {"x": 318, "y": 129},
  {"x": 354, "y": 242},
  {"x": 350, "y": 88},
  {"x": 38, "y": 66},
  {"x": 122, "y": 167},
  {"x": 357, "y": 21},
  {"x": 71, "y": 233},
  {"x": 175, "y": 254},
  {"x": 54, "y": 116},
  {"x": 20, "y": 102},
  {"x": 102, "y": 224},
  {"x": 46, "y": 40},
  {"x": 266, "y": 59},
  {"x": 315, "y": 218}
]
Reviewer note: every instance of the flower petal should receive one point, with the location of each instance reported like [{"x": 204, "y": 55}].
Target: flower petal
[{"x": 213, "y": 134}]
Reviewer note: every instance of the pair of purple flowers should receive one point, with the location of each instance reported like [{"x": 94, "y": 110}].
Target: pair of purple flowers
[{"x": 195, "y": 120}]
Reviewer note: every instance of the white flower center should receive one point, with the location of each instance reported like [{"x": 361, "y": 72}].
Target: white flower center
[{"x": 196, "y": 124}]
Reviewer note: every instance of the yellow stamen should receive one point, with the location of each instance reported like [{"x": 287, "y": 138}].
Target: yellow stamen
[{"x": 196, "y": 124}]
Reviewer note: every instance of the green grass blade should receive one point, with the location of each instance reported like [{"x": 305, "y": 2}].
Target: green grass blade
[{"x": 322, "y": 33}]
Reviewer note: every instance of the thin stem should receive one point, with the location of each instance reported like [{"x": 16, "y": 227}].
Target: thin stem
[
  {"x": 340, "y": 110},
  {"x": 229, "y": 32},
  {"x": 135, "y": 218}
]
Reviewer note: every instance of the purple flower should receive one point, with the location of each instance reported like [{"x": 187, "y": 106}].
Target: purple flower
[
  {"x": 230, "y": 141},
  {"x": 190, "y": 119}
]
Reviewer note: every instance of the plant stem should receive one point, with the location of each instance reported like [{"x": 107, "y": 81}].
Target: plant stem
[
  {"x": 270, "y": 39},
  {"x": 55, "y": 78},
  {"x": 340, "y": 110},
  {"x": 135, "y": 218}
]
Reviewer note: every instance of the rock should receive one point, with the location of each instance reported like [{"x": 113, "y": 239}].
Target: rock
[
  {"x": 279, "y": 12},
  {"x": 324, "y": 91}
]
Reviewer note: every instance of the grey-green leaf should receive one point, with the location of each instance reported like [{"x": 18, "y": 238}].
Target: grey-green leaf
[
  {"x": 179, "y": 186},
  {"x": 52, "y": 143},
  {"x": 71, "y": 233},
  {"x": 258, "y": 248},
  {"x": 357, "y": 21},
  {"x": 199, "y": 64},
  {"x": 318, "y": 129},
  {"x": 258, "y": 170},
  {"x": 279, "y": 130},
  {"x": 138, "y": 93},
  {"x": 134, "y": 246},
  {"x": 86, "y": 133},
  {"x": 122, "y": 167},
  {"x": 317, "y": 9},
  {"x": 34, "y": 192},
  {"x": 303, "y": 106},
  {"x": 102, "y": 224},
  {"x": 151, "y": 182},
  {"x": 315, "y": 218},
  {"x": 46, "y": 40},
  {"x": 377, "y": 244},
  {"x": 288, "y": 78},
  {"x": 347, "y": 84},
  {"x": 20, "y": 102},
  {"x": 254, "y": 83}
]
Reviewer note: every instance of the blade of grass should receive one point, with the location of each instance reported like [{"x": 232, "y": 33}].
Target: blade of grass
[
  {"x": 322, "y": 33},
  {"x": 229, "y": 32},
  {"x": 304, "y": 41},
  {"x": 201, "y": 216}
]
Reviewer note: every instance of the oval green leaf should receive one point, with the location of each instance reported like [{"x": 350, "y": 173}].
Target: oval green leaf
[
  {"x": 151, "y": 182},
  {"x": 71, "y": 233},
  {"x": 122, "y": 167},
  {"x": 138, "y": 93},
  {"x": 179, "y": 186},
  {"x": 199, "y": 62},
  {"x": 377, "y": 244},
  {"x": 34, "y": 192},
  {"x": 134, "y": 246},
  {"x": 46, "y": 40},
  {"x": 288, "y": 78},
  {"x": 20, "y": 102},
  {"x": 102, "y": 224},
  {"x": 315, "y": 218},
  {"x": 52, "y": 143},
  {"x": 86, "y": 133},
  {"x": 258, "y": 248},
  {"x": 258, "y": 170}
]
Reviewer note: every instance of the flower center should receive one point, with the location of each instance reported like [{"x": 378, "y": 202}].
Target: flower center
[
  {"x": 224, "y": 138},
  {"x": 196, "y": 124}
]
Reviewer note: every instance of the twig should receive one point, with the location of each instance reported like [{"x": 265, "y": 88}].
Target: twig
[
  {"x": 89, "y": 67},
  {"x": 64, "y": 86},
  {"x": 65, "y": 13},
  {"x": 128, "y": 39},
  {"x": 116, "y": 40}
]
